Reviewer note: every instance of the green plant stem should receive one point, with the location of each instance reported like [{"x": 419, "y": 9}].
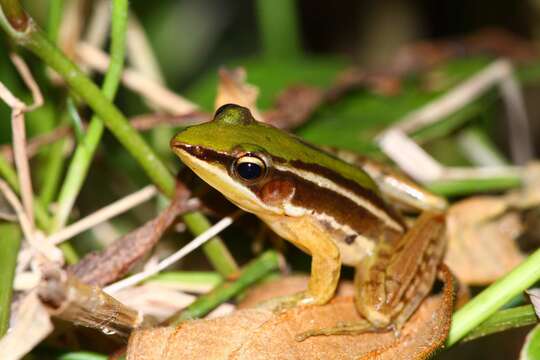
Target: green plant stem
[
  {"x": 53, "y": 164},
  {"x": 473, "y": 186},
  {"x": 82, "y": 355},
  {"x": 52, "y": 172},
  {"x": 494, "y": 297},
  {"x": 10, "y": 239},
  {"x": 85, "y": 150},
  {"x": 10, "y": 176},
  {"x": 8, "y": 173},
  {"x": 504, "y": 320},
  {"x": 252, "y": 273},
  {"x": 278, "y": 28},
  {"x": 56, "y": 8},
  {"x": 189, "y": 277},
  {"x": 33, "y": 39},
  {"x": 215, "y": 250}
]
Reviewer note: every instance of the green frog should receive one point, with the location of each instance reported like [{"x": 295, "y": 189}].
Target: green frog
[{"x": 334, "y": 206}]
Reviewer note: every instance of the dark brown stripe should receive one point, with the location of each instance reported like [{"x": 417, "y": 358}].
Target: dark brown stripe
[
  {"x": 352, "y": 186},
  {"x": 205, "y": 154},
  {"x": 342, "y": 209}
]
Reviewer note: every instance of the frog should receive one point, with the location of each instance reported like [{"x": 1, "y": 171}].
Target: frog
[{"x": 335, "y": 207}]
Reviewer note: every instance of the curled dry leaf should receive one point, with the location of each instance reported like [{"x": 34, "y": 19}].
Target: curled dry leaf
[
  {"x": 294, "y": 106},
  {"x": 233, "y": 89},
  {"x": 115, "y": 261},
  {"x": 529, "y": 195},
  {"x": 481, "y": 239},
  {"x": 482, "y": 231},
  {"x": 261, "y": 334}
]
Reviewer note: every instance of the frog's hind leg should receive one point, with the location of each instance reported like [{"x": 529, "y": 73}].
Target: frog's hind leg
[
  {"x": 394, "y": 185},
  {"x": 392, "y": 284}
]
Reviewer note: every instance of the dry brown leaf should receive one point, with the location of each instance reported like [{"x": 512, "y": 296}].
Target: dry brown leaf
[
  {"x": 102, "y": 268},
  {"x": 233, "y": 89},
  {"x": 294, "y": 106},
  {"x": 481, "y": 239},
  {"x": 527, "y": 196},
  {"x": 261, "y": 334}
]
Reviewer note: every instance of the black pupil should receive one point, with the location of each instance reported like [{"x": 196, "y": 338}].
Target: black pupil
[{"x": 249, "y": 170}]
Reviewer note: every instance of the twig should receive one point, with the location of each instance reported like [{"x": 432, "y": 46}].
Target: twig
[
  {"x": 33, "y": 39},
  {"x": 499, "y": 72},
  {"x": 9, "y": 174},
  {"x": 104, "y": 214},
  {"x": 34, "y": 145},
  {"x": 98, "y": 24},
  {"x": 69, "y": 299},
  {"x": 139, "y": 51},
  {"x": 47, "y": 250},
  {"x": 21, "y": 163},
  {"x": 85, "y": 150},
  {"x": 72, "y": 25},
  {"x": 18, "y": 108},
  {"x": 214, "y": 249},
  {"x": 192, "y": 245},
  {"x": 149, "y": 89}
]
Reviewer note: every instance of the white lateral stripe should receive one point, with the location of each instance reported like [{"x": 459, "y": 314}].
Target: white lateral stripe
[
  {"x": 330, "y": 185},
  {"x": 362, "y": 241}
]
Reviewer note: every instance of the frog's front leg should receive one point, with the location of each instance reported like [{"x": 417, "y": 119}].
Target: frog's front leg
[
  {"x": 391, "y": 285},
  {"x": 325, "y": 263}
]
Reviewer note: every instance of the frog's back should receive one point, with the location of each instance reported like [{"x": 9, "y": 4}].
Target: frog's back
[{"x": 315, "y": 189}]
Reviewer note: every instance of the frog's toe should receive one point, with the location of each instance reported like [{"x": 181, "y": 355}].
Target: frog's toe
[{"x": 282, "y": 303}]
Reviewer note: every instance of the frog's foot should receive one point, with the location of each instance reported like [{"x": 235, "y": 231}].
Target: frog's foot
[
  {"x": 355, "y": 328},
  {"x": 282, "y": 303}
]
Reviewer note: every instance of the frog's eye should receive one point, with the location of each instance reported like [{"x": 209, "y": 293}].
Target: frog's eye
[{"x": 249, "y": 168}]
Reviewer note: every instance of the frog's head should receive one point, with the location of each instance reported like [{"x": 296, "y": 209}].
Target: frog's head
[{"x": 234, "y": 153}]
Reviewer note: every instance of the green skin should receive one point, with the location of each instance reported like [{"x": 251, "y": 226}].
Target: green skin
[
  {"x": 325, "y": 206},
  {"x": 236, "y": 127}
]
